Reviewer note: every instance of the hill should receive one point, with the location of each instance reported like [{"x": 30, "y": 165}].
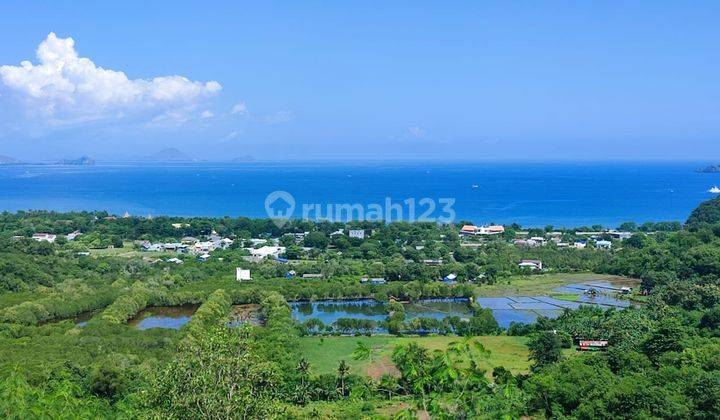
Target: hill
[
  {"x": 7, "y": 160},
  {"x": 707, "y": 212},
  {"x": 246, "y": 158},
  {"x": 169, "y": 154},
  {"x": 81, "y": 161},
  {"x": 712, "y": 169}
]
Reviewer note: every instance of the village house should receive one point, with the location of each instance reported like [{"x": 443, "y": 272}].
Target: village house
[
  {"x": 374, "y": 280},
  {"x": 242, "y": 274},
  {"x": 312, "y": 276},
  {"x": 258, "y": 241},
  {"x": 620, "y": 235},
  {"x": 203, "y": 247},
  {"x": 47, "y": 237},
  {"x": 539, "y": 240},
  {"x": 482, "y": 230},
  {"x": 356, "y": 233},
  {"x": 579, "y": 244},
  {"x": 150, "y": 247},
  {"x": 593, "y": 345},
  {"x": 450, "y": 278},
  {"x": 267, "y": 251},
  {"x": 531, "y": 264},
  {"x": 174, "y": 260},
  {"x": 203, "y": 257},
  {"x": 603, "y": 244},
  {"x": 299, "y": 236},
  {"x": 71, "y": 236}
]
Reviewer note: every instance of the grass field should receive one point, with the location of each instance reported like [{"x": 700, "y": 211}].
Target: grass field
[
  {"x": 542, "y": 284},
  {"x": 324, "y": 353},
  {"x": 128, "y": 251}
]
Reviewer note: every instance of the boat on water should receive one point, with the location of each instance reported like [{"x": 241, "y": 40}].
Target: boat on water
[
  {"x": 475, "y": 186},
  {"x": 714, "y": 190}
]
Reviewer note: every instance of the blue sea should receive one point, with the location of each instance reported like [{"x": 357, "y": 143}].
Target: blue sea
[{"x": 531, "y": 194}]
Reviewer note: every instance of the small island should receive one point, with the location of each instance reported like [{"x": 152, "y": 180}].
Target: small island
[
  {"x": 81, "y": 161},
  {"x": 711, "y": 169},
  {"x": 7, "y": 160}
]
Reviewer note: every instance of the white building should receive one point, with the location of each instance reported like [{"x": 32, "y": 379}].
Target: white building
[
  {"x": 204, "y": 247},
  {"x": 73, "y": 235},
  {"x": 603, "y": 244},
  {"x": 539, "y": 240},
  {"x": 531, "y": 264},
  {"x": 242, "y": 274},
  {"x": 356, "y": 233},
  {"x": 620, "y": 235},
  {"x": 267, "y": 251},
  {"x": 482, "y": 230},
  {"x": 47, "y": 237},
  {"x": 147, "y": 246}
]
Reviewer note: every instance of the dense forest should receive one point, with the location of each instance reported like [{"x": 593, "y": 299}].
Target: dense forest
[{"x": 662, "y": 358}]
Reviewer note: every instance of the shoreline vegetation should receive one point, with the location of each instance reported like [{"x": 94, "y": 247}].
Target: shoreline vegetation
[{"x": 73, "y": 284}]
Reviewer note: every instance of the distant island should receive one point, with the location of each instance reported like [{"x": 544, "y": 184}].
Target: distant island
[
  {"x": 712, "y": 169},
  {"x": 81, "y": 161},
  {"x": 7, "y": 160},
  {"x": 246, "y": 158},
  {"x": 169, "y": 154}
]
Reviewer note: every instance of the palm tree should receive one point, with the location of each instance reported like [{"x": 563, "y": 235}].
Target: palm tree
[
  {"x": 362, "y": 351},
  {"x": 303, "y": 368},
  {"x": 343, "y": 370}
]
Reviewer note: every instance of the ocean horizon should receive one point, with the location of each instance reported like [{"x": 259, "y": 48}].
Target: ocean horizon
[{"x": 563, "y": 194}]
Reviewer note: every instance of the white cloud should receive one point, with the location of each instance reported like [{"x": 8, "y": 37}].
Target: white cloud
[
  {"x": 415, "y": 132},
  {"x": 206, "y": 114},
  {"x": 66, "y": 87},
  {"x": 279, "y": 117},
  {"x": 239, "y": 108}
]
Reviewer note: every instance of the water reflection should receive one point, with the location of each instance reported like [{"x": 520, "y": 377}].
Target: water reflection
[
  {"x": 172, "y": 317},
  {"x": 526, "y": 309},
  {"x": 329, "y": 311},
  {"x": 245, "y": 314},
  {"x": 521, "y": 309}
]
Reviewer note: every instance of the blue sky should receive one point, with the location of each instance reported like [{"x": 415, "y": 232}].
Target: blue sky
[{"x": 363, "y": 80}]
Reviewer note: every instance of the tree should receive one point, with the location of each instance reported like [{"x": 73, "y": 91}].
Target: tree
[
  {"x": 667, "y": 337},
  {"x": 216, "y": 375},
  {"x": 545, "y": 349},
  {"x": 707, "y": 212},
  {"x": 711, "y": 319},
  {"x": 342, "y": 371},
  {"x": 316, "y": 240},
  {"x": 362, "y": 351},
  {"x": 107, "y": 380},
  {"x": 117, "y": 242},
  {"x": 303, "y": 369},
  {"x": 414, "y": 363},
  {"x": 628, "y": 227}
]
